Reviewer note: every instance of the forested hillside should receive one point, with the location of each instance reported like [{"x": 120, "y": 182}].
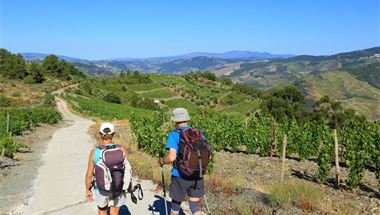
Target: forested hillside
[{"x": 25, "y": 95}]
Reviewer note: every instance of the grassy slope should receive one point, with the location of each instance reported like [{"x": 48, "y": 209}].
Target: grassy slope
[
  {"x": 243, "y": 107},
  {"x": 352, "y": 92},
  {"x": 26, "y": 95}
]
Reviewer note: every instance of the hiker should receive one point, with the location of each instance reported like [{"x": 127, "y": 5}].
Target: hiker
[
  {"x": 106, "y": 160},
  {"x": 184, "y": 180}
]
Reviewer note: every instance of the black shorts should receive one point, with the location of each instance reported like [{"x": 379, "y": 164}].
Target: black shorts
[{"x": 179, "y": 187}]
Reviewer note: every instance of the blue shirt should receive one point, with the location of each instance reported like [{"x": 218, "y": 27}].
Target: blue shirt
[{"x": 173, "y": 143}]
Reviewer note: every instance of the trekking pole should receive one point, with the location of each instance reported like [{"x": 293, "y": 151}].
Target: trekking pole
[
  {"x": 206, "y": 204},
  {"x": 163, "y": 182}
]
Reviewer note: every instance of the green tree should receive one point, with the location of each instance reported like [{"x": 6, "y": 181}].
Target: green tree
[
  {"x": 12, "y": 66},
  {"x": 5, "y": 58},
  {"x": 19, "y": 69},
  {"x": 51, "y": 64},
  {"x": 112, "y": 98},
  {"x": 284, "y": 102},
  {"x": 36, "y": 73}
]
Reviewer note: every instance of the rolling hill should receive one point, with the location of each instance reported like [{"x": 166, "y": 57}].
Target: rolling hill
[
  {"x": 352, "y": 78},
  {"x": 358, "y": 70},
  {"x": 171, "y": 64},
  {"x": 344, "y": 87},
  {"x": 364, "y": 64}
]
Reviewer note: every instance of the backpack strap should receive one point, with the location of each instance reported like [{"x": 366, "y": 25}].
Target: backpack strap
[
  {"x": 109, "y": 146},
  {"x": 182, "y": 134}
]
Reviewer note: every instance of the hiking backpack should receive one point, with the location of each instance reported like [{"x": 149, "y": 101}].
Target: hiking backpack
[
  {"x": 110, "y": 169},
  {"x": 193, "y": 154}
]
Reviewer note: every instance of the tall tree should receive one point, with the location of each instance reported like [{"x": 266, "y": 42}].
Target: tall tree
[
  {"x": 51, "y": 64},
  {"x": 36, "y": 73},
  {"x": 284, "y": 102}
]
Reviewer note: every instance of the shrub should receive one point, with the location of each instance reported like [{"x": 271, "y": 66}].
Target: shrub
[
  {"x": 22, "y": 119},
  {"x": 29, "y": 80},
  {"x": 9, "y": 146},
  {"x": 5, "y": 101},
  {"x": 112, "y": 98},
  {"x": 238, "y": 183},
  {"x": 49, "y": 100},
  {"x": 124, "y": 88}
]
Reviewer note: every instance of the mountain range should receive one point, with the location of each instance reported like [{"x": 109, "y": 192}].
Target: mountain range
[
  {"x": 170, "y": 64},
  {"x": 351, "y": 77}
]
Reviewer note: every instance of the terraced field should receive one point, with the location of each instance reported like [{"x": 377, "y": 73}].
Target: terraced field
[
  {"x": 243, "y": 107},
  {"x": 352, "y": 92},
  {"x": 159, "y": 94}
]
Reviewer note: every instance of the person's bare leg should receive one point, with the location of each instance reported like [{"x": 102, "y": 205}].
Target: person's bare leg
[
  {"x": 114, "y": 210},
  {"x": 102, "y": 211},
  {"x": 194, "y": 205},
  {"x": 174, "y": 212}
]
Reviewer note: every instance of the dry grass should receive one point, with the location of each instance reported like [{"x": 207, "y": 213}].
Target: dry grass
[
  {"x": 22, "y": 94},
  {"x": 342, "y": 206},
  {"x": 300, "y": 193},
  {"x": 216, "y": 182},
  {"x": 26, "y": 94},
  {"x": 229, "y": 186},
  {"x": 242, "y": 207}
]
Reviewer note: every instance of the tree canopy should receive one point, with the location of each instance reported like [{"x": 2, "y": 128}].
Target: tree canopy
[{"x": 13, "y": 66}]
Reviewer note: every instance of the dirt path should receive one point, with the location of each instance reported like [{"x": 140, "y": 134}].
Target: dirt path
[{"x": 59, "y": 185}]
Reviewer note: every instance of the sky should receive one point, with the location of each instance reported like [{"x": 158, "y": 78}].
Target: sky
[{"x": 105, "y": 29}]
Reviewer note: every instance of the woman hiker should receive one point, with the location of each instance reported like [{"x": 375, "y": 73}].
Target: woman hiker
[{"x": 107, "y": 195}]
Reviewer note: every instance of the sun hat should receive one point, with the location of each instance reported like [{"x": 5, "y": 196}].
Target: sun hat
[
  {"x": 106, "y": 128},
  {"x": 180, "y": 115}
]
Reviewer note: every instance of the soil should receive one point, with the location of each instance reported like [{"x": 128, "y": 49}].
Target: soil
[{"x": 258, "y": 174}]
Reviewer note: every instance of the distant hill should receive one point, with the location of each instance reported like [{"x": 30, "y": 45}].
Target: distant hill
[
  {"x": 363, "y": 64},
  {"x": 343, "y": 86},
  {"x": 224, "y": 55},
  {"x": 170, "y": 64},
  {"x": 236, "y": 55},
  {"x": 39, "y": 56},
  {"x": 352, "y": 78}
]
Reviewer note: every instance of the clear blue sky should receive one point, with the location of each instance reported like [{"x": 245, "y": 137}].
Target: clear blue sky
[{"x": 102, "y": 29}]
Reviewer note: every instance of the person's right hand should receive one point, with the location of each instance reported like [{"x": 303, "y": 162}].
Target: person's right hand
[
  {"x": 161, "y": 161},
  {"x": 89, "y": 196}
]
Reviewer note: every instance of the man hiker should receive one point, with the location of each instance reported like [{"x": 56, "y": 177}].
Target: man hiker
[
  {"x": 189, "y": 153},
  {"x": 105, "y": 162}
]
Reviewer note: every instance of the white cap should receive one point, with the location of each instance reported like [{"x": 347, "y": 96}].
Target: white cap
[
  {"x": 180, "y": 115},
  {"x": 106, "y": 128}
]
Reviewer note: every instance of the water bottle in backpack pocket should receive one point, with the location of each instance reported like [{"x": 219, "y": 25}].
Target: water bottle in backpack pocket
[{"x": 110, "y": 169}]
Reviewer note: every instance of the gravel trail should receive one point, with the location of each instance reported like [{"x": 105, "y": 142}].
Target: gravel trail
[{"x": 59, "y": 185}]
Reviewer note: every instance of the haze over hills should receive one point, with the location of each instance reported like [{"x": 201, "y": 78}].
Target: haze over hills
[
  {"x": 168, "y": 64},
  {"x": 224, "y": 55},
  {"x": 40, "y": 56}
]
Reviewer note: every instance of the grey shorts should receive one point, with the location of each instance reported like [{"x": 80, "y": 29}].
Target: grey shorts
[
  {"x": 104, "y": 199},
  {"x": 179, "y": 187}
]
